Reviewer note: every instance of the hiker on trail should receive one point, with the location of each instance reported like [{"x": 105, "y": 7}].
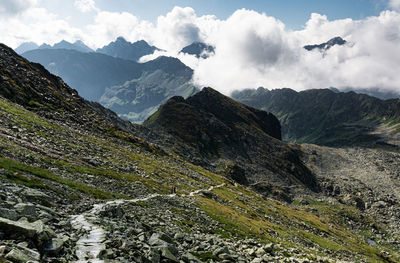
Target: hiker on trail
[{"x": 174, "y": 189}]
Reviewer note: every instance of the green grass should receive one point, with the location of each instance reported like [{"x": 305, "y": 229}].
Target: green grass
[
  {"x": 18, "y": 168},
  {"x": 24, "y": 117}
]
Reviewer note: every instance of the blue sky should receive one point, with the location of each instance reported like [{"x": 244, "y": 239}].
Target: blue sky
[{"x": 294, "y": 13}]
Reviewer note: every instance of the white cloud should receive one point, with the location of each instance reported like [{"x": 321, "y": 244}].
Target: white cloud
[
  {"x": 251, "y": 49},
  {"x": 110, "y": 25},
  {"x": 85, "y": 6},
  {"x": 36, "y": 25},
  {"x": 254, "y": 50},
  {"x": 13, "y": 7},
  {"x": 395, "y": 4}
]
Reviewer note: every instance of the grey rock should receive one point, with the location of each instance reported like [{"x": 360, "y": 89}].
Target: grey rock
[
  {"x": 269, "y": 248},
  {"x": 54, "y": 247},
  {"x": 33, "y": 195},
  {"x": 26, "y": 210},
  {"x": 18, "y": 227},
  {"x": 8, "y": 213},
  {"x": 160, "y": 239},
  {"x": 154, "y": 255},
  {"x": 189, "y": 258},
  {"x": 16, "y": 255},
  {"x": 106, "y": 254},
  {"x": 166, "y": 253},
  {"x": 221, "y": 250},
  {"x": 32, "y": 253},
  {"x": 257, "y": 260}
]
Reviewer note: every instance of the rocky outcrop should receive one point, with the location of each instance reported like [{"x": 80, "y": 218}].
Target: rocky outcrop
[{"x": 220, "y": 130}]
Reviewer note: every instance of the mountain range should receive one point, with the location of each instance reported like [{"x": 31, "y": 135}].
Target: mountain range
[
  {"x": 331, "y": 118},
  {"x": 112, "y": 76},
  {"x": 121, "y": 48},
  {"x": 204, "y": 179}
]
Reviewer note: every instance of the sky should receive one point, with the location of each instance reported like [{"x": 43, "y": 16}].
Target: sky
[{"x": 257, "y": 43}]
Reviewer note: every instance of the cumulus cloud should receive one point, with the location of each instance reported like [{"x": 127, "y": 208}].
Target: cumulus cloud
[
  {"x": 13, "y": 7},
  {"x": 254, "y": 50},
  {"x": 251, "y": 49},
  {"x": 394, "y": 4},
  {"x": 85, "y": 6},
  {"x": 108, "y": 26},
  {"x": 36, "y": 25}
]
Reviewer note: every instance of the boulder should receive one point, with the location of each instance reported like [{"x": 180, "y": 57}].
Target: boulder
[
  {"x": 18, "y": 256},
  {"x": 269, "y": 248},
  {"x": 26, "y": 210},
  {"x": 157, "y": 237},
  {"x": 167, "y": 254},
  {"x": 23, "y": 228},
  {"x": 8, "y": 213},
  {"x": 36, "y": 230},
  {"x": 33, "y": 195}
]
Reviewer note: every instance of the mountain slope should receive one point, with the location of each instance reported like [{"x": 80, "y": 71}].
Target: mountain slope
[
  {"x": 228, "y": 134},
  {"x": 54, "y": 171},
  {"x": 88, "y": 73},
  {"x": 137, "y": 99},
  {"x": 133, "y": 90},
  {"x": 329, "y": 118},
  {"x": 121, "y": 48}
]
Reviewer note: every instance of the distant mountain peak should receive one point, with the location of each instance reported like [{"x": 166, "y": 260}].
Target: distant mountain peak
[
  {"x": 198, "y": 49},
  {"x": 327, "y": 45},
  {"x": 26, "y": 46},
  {"x": 121, "y": 48},
  {"x": 121, "y": 39},
  {"x": 63, "y": 44}
]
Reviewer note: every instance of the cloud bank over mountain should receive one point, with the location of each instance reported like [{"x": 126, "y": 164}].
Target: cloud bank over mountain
[{"x": 251, "y": 49}]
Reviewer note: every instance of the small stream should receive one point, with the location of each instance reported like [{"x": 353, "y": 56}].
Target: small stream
[{"x": 89, "y": 246}]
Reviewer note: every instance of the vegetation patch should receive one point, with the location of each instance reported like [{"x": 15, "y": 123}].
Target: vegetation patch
[{"x": 18, "y": 167}]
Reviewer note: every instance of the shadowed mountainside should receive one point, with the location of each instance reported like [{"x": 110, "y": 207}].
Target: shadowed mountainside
[
  {"x": 330, "y": 118},
  {"x": 133, "y": 90},
  {"x": 238, "y": 139}
]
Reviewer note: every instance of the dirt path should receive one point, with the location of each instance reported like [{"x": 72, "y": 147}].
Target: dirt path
[{"x": 90, "y": 245}]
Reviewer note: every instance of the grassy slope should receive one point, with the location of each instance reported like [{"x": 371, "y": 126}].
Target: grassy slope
[{"x": 44, "y": 154}]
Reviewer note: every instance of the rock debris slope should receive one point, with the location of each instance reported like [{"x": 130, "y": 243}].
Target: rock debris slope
[{"x": 65, "y": 163}]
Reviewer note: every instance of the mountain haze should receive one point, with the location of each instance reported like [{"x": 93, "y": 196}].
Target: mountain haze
[{"x": 133, "y": 90}]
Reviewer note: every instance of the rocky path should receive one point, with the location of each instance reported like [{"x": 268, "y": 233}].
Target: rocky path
[{"x": 90, "y": 245}]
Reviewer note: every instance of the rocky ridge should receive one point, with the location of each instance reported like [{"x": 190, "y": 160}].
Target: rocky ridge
[
  {"x": 241, "y": 140},
  {"x": 330, "y": 118}
]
